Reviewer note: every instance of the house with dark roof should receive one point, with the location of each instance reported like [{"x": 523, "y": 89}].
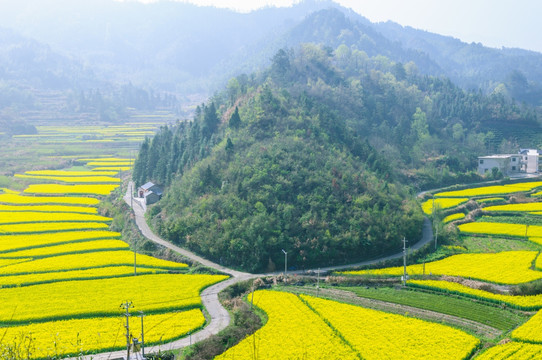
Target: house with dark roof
[{"x": 150, "y": 192}]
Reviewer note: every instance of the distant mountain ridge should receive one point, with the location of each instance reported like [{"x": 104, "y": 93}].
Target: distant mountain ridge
[{"x": 186, "y": 49}]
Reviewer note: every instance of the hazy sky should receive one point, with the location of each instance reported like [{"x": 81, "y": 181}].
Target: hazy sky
[{"x": 494, "y": 23}]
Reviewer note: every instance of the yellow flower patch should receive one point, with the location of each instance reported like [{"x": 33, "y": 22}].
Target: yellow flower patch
[
  {"x": 491, "y": 190},
  {"x": 29, "y": 200},
  {"x": 70, "y": 173},
  {"x": 526, "y": 207},
  {"x": 442, "y": 203},
  {"x": 74, "y": 179},
  {"x": 453, "y": 217},
  {"x": 512, "y": 351},
  {"x": 490, "y": 228},
  {"x": 509, "y": 267},
  {"x": 60, "y": 338},
  {"x": 109, "y": 163},
  {"x": 292, "y": 331},
  {"x": 379, "y": 335},
  {"x": 95, "y": 273},
  {"x": 118, "y": 168},
  {"x": 56, "y": 189},
  {"x": 50, "y": 208},
  {"x": 26, "y": 241},
  {"x": 530, "y": 331},
  {"x": 70, "y": 299},
  {"x": 77, "y": 247},
  {"x": 11, "y": 229},
  {"x": 19, "y": 217},
  {"x": 89, "y": 260}
]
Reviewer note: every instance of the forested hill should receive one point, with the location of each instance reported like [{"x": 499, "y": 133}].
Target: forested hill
[{"x": 312, "y": 156}]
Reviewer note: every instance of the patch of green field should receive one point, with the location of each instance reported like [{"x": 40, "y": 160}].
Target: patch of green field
[
  {"x": 496, "y": 317},
  {"x": 475, "y": 244}
]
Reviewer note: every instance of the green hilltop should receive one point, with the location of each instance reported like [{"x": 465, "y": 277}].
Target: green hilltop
[{"x": 318, "y": 155}]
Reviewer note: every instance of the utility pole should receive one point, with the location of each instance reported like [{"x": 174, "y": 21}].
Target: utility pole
[
  {"x": 141, "y": 315},
  {"x": 135, "y": 259},
  {"x": 252, "y": 296},
  {"x": 404, "y": 261},
  {"x": 127, "y": 305},
  {"x": 285, "y": 262},
  {"x": 436, "y": 235},
  {"x": 318, "y": 284}
]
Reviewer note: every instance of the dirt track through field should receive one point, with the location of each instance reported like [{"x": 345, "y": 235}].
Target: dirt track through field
[
  {"x": 345, "y": 296},
  {"x": 219, "y": 317}
]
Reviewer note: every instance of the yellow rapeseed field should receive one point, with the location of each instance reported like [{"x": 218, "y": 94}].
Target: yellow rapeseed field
[
  {"x": 491, "y": 190},
  {"x": 509, "y": 267},
  {"x": 29, "y": 200},
  {"x": 490, "y": 228},
  {"x": 109, "y": 163},
  {"x": 56, "y": 189},
  {"x": 7, "y": 262},
  {"x": 443, "y": 203},
  {"x": 524, "y": 302},
  {"x": 50, "y": 227},
  {"x": 109, "y": 168},
  {"x": 19, "y": 217},
  {"x": 89, "y": 260},
  {"x": 530, "y": 331},
  {"x": 50, "y": 208},
  {"x": 502, "y": 229},
  {"x": 81, "y": 336},
  {"x": 8, "y": 191},
  {"x": 70, "y": 173},
  {"x": 292, "y": 331},
  {"x": 77, "y": 247},
  {"x": 94, "y": 273},
  {"x": 74, "y": 179},
  {"x": 512, "y": 351},
  {"x": 88, "y": 298},
  {"x": 457, "y": 216},
  {"x": 14, "y": 242},
  {"x": 379, "y": 335},
  {"x": 489, "y": 199},
  {"x": 525, "y": 207}
]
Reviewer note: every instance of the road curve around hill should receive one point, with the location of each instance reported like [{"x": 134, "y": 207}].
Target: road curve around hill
[{"x": 219, "y": 316}]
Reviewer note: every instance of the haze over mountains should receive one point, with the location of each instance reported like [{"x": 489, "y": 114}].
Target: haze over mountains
[{"x": 186, "y": 50}]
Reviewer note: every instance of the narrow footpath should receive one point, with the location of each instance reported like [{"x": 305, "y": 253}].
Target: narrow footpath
[{"x": 219, "y": 316}]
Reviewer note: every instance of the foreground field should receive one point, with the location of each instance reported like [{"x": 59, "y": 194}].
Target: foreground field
[
  {"x": 305, "y": 327},
  {"x": 55, "y": 247}
]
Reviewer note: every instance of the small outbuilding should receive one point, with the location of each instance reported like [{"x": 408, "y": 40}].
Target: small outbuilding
[{"x": 150, "y": 192}]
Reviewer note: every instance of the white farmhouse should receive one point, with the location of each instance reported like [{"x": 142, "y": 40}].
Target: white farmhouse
[
  {"x": 507, "y": 164},
  {"x": 526, "y": 161}
]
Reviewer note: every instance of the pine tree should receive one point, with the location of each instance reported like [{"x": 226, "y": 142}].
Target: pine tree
[{"x": 235, "y": 120}]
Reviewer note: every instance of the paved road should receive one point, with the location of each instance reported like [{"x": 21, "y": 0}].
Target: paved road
[
  {"x": 219, "y": 316},
  {"x": 139, "y": 212}
]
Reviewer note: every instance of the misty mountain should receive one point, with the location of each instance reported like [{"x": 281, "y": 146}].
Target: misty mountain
[
  {"x": 474, "y": 66},
  {"x": 30, "y": 62},
  {"x": 187, "y": 49}
]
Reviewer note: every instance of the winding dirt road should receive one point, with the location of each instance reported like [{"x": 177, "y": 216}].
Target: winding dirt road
[{"x": 219, "y": 316}]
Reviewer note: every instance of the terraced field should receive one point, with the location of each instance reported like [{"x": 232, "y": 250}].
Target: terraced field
[
  {"x": 493, "y": 231},
  {"x": 55, "y": 247}
]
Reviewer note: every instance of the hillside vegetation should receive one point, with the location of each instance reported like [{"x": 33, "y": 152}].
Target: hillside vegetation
[{"x": 310, "y": 157}]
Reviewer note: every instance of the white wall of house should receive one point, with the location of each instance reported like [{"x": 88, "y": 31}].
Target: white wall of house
[{"x": 486, "y": 163}]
